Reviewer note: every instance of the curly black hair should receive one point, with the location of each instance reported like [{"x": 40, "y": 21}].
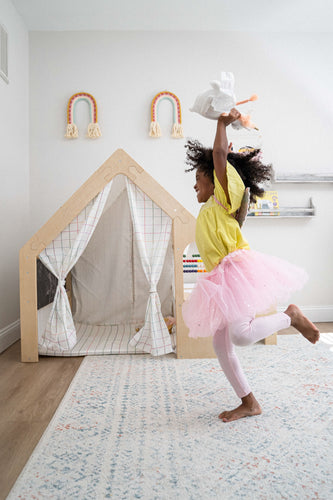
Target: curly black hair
[{"x": 248, "y": 165}]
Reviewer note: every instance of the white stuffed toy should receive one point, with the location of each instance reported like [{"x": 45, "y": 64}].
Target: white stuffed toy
[{"x": 220, "y": 98}]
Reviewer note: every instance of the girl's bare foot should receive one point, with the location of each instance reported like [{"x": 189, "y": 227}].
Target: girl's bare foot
[
  {"x": 302, "y": 323},
  {"x": 248, "y": 408}
]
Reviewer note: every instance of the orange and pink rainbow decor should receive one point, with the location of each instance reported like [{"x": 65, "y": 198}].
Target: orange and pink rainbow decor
[
  {"x": 177, "y": 129},
  {"x": 93, "y": 128}
]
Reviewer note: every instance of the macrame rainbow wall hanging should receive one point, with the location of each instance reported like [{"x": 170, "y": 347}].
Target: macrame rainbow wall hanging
[
  {"x": 93, "y": 128},
  {"x": 155, "y": 129}
]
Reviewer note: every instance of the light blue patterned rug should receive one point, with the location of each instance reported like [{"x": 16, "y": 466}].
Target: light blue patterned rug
[{"x": 137, "y": 427}]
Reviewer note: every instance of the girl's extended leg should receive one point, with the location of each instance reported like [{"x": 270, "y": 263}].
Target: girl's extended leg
[
  {"x": 232, "y": 369},
  {"x": 250, "y": 330}
]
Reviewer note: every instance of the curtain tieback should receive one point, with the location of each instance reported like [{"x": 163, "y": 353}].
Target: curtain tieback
[
  {"x": 62, "y": 283},
  {"x": 153, "y": 289}
]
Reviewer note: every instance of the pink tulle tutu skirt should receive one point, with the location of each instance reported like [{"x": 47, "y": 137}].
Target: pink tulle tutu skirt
[{"x": 245, "y": 283}]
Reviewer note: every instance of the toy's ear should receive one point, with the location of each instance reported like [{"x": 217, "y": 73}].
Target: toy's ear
[
  {"x": 216, "y": 85},
  {"x": 244, "y": 207},
  {"x": 227, "y": 82}
]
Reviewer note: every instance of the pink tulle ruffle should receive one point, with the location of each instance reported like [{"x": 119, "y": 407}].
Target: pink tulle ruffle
[{"x": 245, "y": 283}]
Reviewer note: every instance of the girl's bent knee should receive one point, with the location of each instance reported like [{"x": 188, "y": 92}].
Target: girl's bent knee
[
  {"x": 240, "y": 340},
  {"x": 239, "y": 333}
]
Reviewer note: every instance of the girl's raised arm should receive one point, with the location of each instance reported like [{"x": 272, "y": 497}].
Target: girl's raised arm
[{"x": 220, "y": 148}]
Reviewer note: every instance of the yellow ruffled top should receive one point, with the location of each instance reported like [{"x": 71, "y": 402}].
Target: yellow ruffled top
[{"x": 217, "y": 231}]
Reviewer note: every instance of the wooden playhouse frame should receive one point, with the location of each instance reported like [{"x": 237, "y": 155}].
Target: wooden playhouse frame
[{"x": 183, "y": 233}]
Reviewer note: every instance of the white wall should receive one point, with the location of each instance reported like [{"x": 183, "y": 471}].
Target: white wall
[
  {"x": 291, "y": 73},
  {"x": 14, "y": 168}
]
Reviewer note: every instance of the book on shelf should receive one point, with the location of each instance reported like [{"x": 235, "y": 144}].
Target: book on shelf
[{"x": 267, "y": 205}]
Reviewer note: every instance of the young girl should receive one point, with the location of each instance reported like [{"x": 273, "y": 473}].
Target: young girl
[{"x": 240, "y": 283}]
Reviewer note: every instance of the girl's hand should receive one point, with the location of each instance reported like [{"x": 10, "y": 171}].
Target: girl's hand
[{"x": 230, "y": 117}]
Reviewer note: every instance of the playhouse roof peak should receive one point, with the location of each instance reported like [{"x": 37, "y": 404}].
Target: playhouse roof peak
[{"x": 118, "y": 163}]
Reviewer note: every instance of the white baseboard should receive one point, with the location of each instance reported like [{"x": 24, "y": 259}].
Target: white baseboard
[
  {"x": 9, "y": 335},
  {"x": 317, "y": 314}
]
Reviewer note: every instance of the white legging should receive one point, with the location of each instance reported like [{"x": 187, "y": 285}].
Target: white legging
[{"x": 242, "y": 333}]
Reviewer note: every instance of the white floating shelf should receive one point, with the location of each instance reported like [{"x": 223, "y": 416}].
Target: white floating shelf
[
  {"x": 303, "y": 178},
  {"x": 284, "y": 212}
]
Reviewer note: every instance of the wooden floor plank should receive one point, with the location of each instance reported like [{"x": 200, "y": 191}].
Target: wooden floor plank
[{"x": 30, "y": 393}]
